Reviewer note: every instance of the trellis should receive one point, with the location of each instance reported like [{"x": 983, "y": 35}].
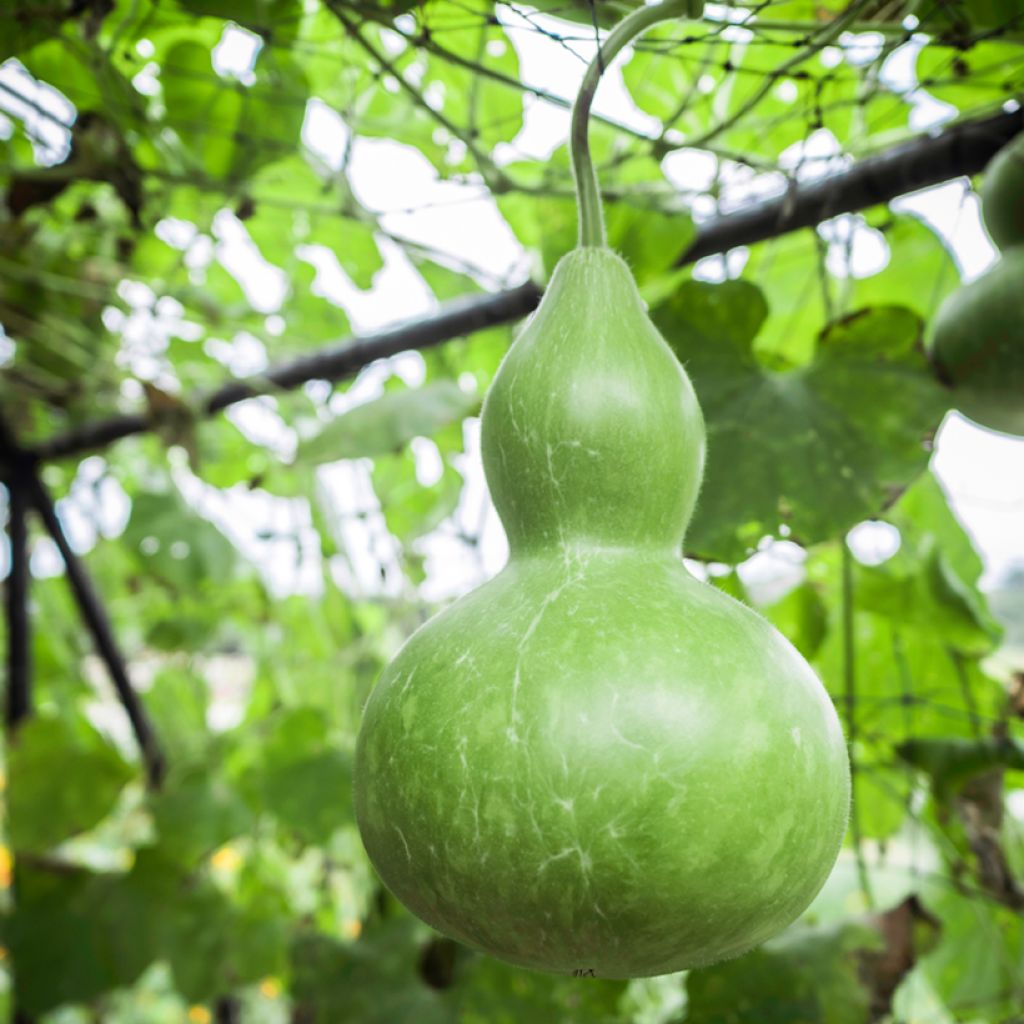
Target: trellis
[{"x": 962, "y": 149}]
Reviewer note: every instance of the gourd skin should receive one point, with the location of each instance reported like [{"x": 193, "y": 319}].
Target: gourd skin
[
  {"x": 979, "y": 344},
  {"x": 1002, "y": 195},
  {"x": 977, "y": 336},
  {"x": 591, "y": 429},
  {"x": 595, "y": 762}
]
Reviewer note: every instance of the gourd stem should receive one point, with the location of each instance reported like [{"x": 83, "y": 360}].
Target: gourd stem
[{"x": 588, "y": 195}]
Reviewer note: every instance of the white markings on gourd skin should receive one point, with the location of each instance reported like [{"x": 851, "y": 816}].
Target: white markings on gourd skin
[
  {"x": 795, "y": 733},
  {"x": 623, "y": 739},
  {"x": 408, "y": 680},
  {"x": 512, "y": 732},
  {"x": 405, "y": 845}
]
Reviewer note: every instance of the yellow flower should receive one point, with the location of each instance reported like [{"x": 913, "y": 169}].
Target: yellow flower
[
  {"x": 352, "y": 929},
  {"x": 199, "y": 1015},
  {"x": 6, "y": 863},
  {"x": 227, "y": 858},
  {"x": 270, "y": 987}
]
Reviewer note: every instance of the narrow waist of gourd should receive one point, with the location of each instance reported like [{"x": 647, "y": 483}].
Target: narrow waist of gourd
[{"x": 584, "y": 548}]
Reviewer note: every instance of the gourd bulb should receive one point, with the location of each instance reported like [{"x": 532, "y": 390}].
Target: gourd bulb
[
  {"x": 976, "y": 339},
  {"x": 595, "y": 763}
]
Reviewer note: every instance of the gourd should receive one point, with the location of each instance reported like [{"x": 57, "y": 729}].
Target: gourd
[
  {"x": 595, "y": 763},
  {"x": 977, "y": 336}
]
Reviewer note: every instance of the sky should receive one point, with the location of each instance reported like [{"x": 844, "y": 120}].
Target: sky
[{"x": 982, "y": 472}]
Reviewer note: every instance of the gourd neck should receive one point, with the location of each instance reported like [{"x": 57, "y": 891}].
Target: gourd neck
[{"x": 588, "y": 193}]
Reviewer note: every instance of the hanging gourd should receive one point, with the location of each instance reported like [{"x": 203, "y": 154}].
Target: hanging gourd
[
  {"x": 595, "y": 763},
  {"x": 977, "y": 337}
]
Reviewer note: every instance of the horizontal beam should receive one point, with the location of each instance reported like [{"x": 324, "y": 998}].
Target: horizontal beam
[
  {"x": 962, "y": 149},
  {"x": 332, "y": 362}
]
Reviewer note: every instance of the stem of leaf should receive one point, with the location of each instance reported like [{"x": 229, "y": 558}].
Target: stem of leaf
[
  {"x": 850, "y": 700},
  {"x": 588, "y": 194}
]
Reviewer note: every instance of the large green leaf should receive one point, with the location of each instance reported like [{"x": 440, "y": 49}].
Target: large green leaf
[
  {"x": 65, "y": 778},
  {"x": 810, "y": 450},
  {"x": 195, "y": 813},
  {"x": 176, "y": 544},
  {"x": 230, "y": 129},
  {"x": 491, "y": 110},
  {"x": 386, "y": 424},
  {"x": 987, "y": 72},
  {"x": 75, "y": 936},
  {"x": 411, "y": 509},
  {"x": 300, "y": 776}
]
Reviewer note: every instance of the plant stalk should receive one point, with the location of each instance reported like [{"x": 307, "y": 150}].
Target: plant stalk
[{"x": 588, "y": 194}]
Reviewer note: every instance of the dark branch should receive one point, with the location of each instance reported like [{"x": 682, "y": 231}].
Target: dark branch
[
  {"x": 962, "y": 149},
  {"x": 334, "y": 362},
  {"x": 99, "y": 625},
  {"x": 19, "y": 664}
]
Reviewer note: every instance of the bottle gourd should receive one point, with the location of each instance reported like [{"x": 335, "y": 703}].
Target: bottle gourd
[
  {"x": 595, "y": 763},
  {"x": 977, "y": 337}
]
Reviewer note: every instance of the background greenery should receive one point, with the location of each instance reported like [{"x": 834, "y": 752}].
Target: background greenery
[{"x": 238, "y": 890}]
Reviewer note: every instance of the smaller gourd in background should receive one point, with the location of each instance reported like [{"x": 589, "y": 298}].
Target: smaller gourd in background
[{"x": 977, "y": 336}]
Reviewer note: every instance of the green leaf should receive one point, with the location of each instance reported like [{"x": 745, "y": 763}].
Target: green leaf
[
  {"x": 203, "y": 109},
  {"x": 276, "y": 20},
  {"x": 926, "y": 594},
  {"x": 353, "y": 243},
  {"x": 174, "y": 543},
  {"x": 662, "y": 79},
  {"x": 212, "y": 943},
  {"x": 491, "y": 111},
  {"x": 301, "y": 777},
  {"x": 977, "y": 963},
  {"x": 807, "y": 975},
  {"x": 930, "y": 584},
  {"x": 952, "y": 763},
  {"x": 386, "y": 424},
  {"x": 921, "y": 270},
  {"x": 881, "y": 800},
  {"x": 75, "y": 935},
  {"x": 817, "y": 448},
  {"x": 487, "y": 990},
  {"x": 373, "y": 981},
  {"x": 802, "y": 616},
  {"x": 819, "y": 97},
  {"x": 85, "y": 74},
  {"x": 906, "y": 682},
  {"x": 924, "y": 518},
  {"x": 311, "y": 796},
  {"x": 65, "y": 779},
  {"x": 177, "y": 702},
  {"x": 195, "y": 813},
  {"x": 230, "y": 129},
  {"x": 410, "y": 509},
  {"x": 991, "y": 71}
]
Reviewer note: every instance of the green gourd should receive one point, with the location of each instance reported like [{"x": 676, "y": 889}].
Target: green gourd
[
  {"x": 977, "y": 337},
  {"x": 595, "y": 763}
]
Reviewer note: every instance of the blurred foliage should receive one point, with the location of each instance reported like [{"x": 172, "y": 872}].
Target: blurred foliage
[{"x": 260, "y": 567}]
